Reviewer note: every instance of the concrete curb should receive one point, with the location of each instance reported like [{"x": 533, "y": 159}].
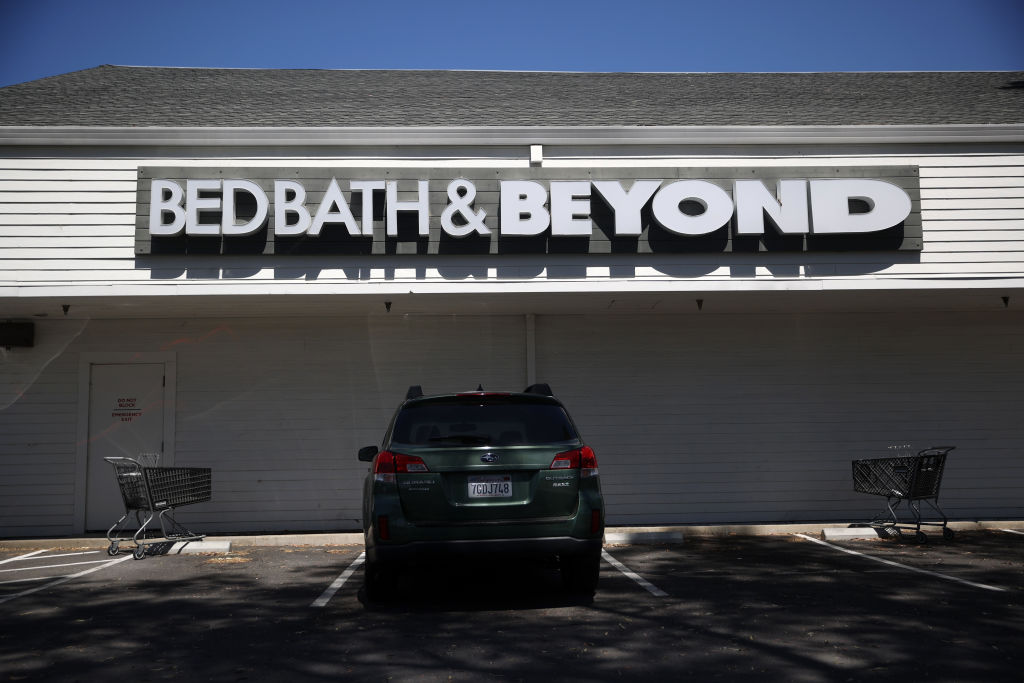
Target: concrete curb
[
  {"x": 344, "y": 538},
  {"x": 849, "y": 533},
  {"x": 643, "y": 537},
  {"x": 198, "y": 547},
  {"x": 631, "y": 535}
]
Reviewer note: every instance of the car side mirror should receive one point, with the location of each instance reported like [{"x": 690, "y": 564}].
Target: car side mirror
[{"x": 367, "y": 453}]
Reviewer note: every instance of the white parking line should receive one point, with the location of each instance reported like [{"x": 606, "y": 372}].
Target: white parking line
[
  {"x": 86, "y": 552},
  {"x": 64, "y": 579},
  {"x": 50, "y": 566},
  {"x": 326, "y": 596},
  {"x": 902, "y": 566},
  {"x": 651, "y": 588},
  {"x": 1011, "y": 531},
  {"x": 22, "y": 557}
]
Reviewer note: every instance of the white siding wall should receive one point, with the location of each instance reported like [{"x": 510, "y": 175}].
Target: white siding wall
[
  {"x": 277, "y": 408},
  {"x": 67, "y": 228},
  {"x": 696, "y": 418},
  {"x": 38, "y": 419},
  {"x": 725, "y": 418}
]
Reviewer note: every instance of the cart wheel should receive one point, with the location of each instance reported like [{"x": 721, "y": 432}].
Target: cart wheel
[
  {"x": 113, "y": 549},
  {"x": 921, "y": 537},
  {"x": 948, "y": 534},
  {"x": 140, "y": 552}
]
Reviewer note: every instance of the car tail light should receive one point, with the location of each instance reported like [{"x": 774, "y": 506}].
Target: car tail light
[
  {"x": 588, "y": 462},
  {"x": 583, "y": 459},
  {"x": 387, "y": 464},
  {"x": 408, "y": 464}
]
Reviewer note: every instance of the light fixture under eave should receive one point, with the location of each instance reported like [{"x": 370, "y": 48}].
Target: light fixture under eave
[
  {"x": 700, "y": 304},
  {"x": 1006, "y": 302}
]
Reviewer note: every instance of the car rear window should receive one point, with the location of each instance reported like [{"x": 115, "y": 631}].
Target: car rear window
[{"x": 482, "y": 422}]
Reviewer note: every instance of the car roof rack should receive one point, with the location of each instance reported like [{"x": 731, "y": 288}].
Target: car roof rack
[
  {"x": 542, "y": 389},
  {"x": 415, "y": 391}
]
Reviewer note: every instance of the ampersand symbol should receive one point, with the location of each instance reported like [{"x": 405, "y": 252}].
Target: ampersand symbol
[{"x": 461, "y": 193}]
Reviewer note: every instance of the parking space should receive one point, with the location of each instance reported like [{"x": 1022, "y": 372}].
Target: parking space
[
  {"x": 39, "y": 570},
  {"x": 988, "y": 561},
  {"x": 727, "y": 607}
]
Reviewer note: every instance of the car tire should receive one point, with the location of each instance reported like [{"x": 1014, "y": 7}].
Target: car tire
[
  {"x": 379, "y": 581},
  {"x": 580, "y": 572}
]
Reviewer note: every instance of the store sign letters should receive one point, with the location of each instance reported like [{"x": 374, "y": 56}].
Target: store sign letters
[{"x": 635, "y": 205}]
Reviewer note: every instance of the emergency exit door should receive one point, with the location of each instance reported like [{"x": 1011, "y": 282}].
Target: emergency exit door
[{"x": 126, "y": 418}]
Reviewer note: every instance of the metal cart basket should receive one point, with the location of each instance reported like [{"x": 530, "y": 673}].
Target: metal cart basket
[
  {"x": 148, "y": 489},
  {"x": 910, "y": 478}
]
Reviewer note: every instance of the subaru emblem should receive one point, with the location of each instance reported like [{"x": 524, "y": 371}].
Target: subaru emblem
[{"x": 489, "y": 457}]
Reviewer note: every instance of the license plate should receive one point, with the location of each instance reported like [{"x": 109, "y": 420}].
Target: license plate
[{"x": 490, "y": 486}]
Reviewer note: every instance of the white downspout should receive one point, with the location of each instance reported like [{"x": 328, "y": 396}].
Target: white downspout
[{"x": 531, "y": 349}]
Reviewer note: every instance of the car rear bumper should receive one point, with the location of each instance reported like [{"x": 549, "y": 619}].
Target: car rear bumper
[{"x": 417, "y": 550}]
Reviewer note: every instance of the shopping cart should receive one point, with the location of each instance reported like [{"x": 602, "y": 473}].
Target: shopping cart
[
  {"x": 910, "y": 478},
  {"x": 155, "y": 491}
]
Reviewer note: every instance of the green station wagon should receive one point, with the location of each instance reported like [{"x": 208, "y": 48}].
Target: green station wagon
[{"x": 482, "y": 473}]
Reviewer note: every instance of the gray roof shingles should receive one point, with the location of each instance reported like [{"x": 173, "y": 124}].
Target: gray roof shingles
[{"x": 161, "y": 96}]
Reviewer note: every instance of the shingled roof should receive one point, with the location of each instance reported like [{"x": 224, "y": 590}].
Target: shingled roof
[{"x": 124, "y": 96}]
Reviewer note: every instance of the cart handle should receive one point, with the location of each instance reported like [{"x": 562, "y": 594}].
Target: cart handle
[{"x": 115, "y": 459}]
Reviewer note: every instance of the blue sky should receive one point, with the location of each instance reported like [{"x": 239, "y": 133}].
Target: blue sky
[{"x": 45, "y": 37}]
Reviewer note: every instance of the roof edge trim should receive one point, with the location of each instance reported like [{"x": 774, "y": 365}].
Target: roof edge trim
[{"x": 500, "y": 135}]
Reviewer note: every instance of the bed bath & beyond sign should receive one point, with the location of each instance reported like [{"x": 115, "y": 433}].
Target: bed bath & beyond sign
[{"x": 612, "y": 206}]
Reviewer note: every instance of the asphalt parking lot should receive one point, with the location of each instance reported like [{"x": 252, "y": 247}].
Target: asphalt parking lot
[{"x": 726, "y": 608}]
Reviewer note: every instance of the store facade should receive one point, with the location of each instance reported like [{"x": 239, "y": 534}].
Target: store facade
[{"x": 733, "y": 306}]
